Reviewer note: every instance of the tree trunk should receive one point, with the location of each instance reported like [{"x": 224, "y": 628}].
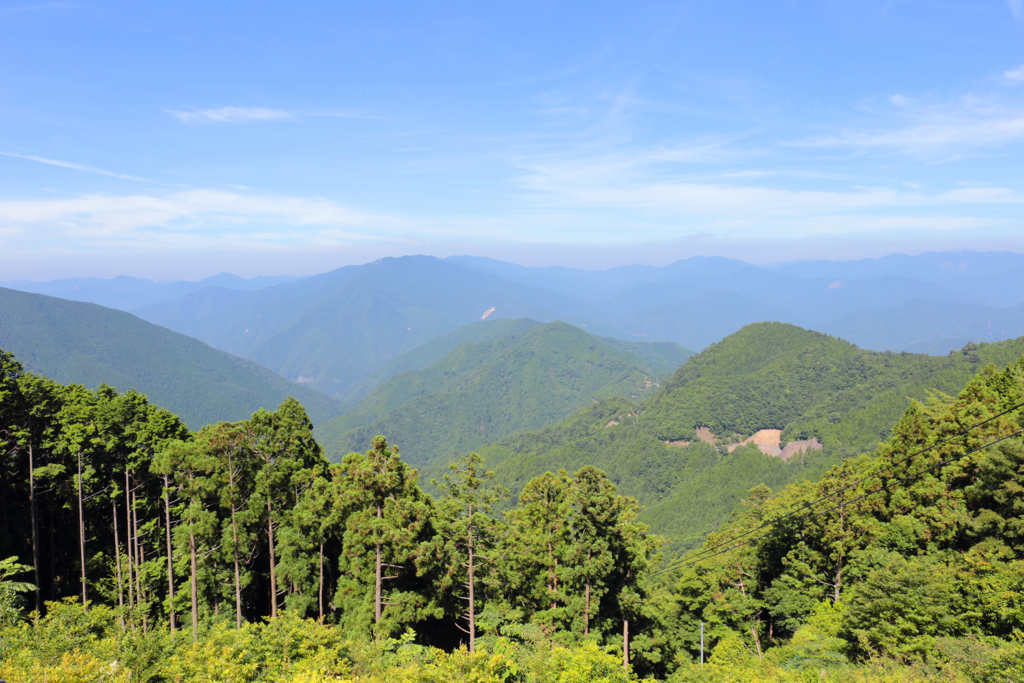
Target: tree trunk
[
  {"x": 586, "y": 610},
  {"x": 234, "y": 543},
  {"x": 140, "y": 559},
  {"x": 128, "y": 541},
  {"x": 117, "y": 556},
  {"x": 138, "y": 550},
  {"x": 273, "y": 560},
  {"x": 35, "y": 526},
  {"x": 81, "y": 527},
  {"x": 839, "y": 560},
  {"x": 625, "y": 645},
  {"x": 377, "y": 589},
  {"x": 551, "y": 575},
  {"x": 170, "y": 555},
  {"x": 472, "y": 597},
  {"x": 194, "y": 584},
  {"x": 320, "y": 598},
  {"x": 53, "y": 550}
]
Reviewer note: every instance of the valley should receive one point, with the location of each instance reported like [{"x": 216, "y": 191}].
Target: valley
[{"x": 404, "y": 408}]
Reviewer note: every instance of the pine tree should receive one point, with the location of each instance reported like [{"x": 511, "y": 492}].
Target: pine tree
[
  {"x": 290, "y": 460},
  {"x": 466, "y": 535},
  {"x": 387, "y": 515},
  {"x": 540, "y": 549}
]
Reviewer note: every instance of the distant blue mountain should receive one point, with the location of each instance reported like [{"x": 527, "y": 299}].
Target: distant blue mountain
[
  {"x": 335, "y": 332},
  {"x": 128, "y": 293}
]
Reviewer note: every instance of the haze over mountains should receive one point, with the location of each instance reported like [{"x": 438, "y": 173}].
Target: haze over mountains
[
  {"x": 128, "y": 293},
  {"x": 335, "y": 331},
  {"x": 544, "y": 368}
]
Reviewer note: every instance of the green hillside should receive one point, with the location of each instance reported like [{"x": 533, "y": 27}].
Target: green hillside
[
  {"x": 810, "y": 385},
  {"x": 425, "y": 355},
  {"x": 87, "y": 344},
  {"x": 768, "y": 375},
  {"x": 487, "y": 390},
  {"x": 336, "y": 329}
]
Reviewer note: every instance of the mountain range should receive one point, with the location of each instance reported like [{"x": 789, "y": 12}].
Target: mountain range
[
  {"x": 336, "y": 332},
  {"x": 544, "y": 368}
]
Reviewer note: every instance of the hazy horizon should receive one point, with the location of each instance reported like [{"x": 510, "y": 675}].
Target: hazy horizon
[{"x": 208, "y": 275}]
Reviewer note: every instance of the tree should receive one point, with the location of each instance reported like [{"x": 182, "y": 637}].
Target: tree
[
  {"x": 40, "y": 405},
  {"x": 290, "y": 460},
  {"x": 79, "y": 438},
  {"x": 540, "y": 552},
  {"x": 466, "y": 533},
  {"x": 193, "y": 468},
  {"x": 387, "y": 516},
  {"x": 595, "y": 507},
  {"x": 234, "y": 477}
]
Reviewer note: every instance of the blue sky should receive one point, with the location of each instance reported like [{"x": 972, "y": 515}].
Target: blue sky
[{"x": 177, "y": 140}]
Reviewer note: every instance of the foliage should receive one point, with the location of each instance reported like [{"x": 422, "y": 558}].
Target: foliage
[
  {"x": 489, "y": 389},
  {"x": 767, "y": 375},
  {"x": 906, "y": 564},
  {"x": 208, "y": 533},
  {"x": 70, "y": 341}
]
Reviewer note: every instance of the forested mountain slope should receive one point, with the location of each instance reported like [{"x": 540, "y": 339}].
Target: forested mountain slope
[
  {"x": 767, "y": 376},
  {"x": 902, "y": 565},
  {"x": 87, "y": 344},
  {"x": 425, "y": 355},
  {"x": 335, "y": 330},
  {"x": 912, "y": 553},
  {"x": 532, "y": 376}
]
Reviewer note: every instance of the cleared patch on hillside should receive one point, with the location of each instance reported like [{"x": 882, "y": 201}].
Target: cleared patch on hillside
[{"x": 769, "y": 442}]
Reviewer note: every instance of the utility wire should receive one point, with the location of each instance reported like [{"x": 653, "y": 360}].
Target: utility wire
[
  {"x": 811, "y": 504},
  {"x": 703, "y": 556}
]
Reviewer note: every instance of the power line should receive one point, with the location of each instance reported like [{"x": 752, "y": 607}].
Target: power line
[
  {"x": 860, "y": 481},
  {"x": 703, "y": 556}
]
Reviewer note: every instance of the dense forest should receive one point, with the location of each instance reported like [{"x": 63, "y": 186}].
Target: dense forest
[
  {"x": 135, "y": 549},
  {"x": 766, "y": 376},
  {"x": 484, "y": 391}
]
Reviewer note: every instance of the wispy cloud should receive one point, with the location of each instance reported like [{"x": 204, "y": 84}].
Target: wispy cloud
[
  {"x": 203, "y": 215},
  {"x": 1016, "y": 8},
  {"x": 1015, "y": 75},
  {"x": 71, "y": 165},
  {"x": 231, "y": 115},
  {"x": 722, "y": 200},
  {"x": 925, "y": 128},
  {"x": 926, "y": 137}
]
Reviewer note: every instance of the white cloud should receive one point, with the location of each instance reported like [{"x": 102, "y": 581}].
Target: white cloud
[
  {"x": 927, "y": 136},
  {"x": 194, "y": 219},
  {"x": 690, "y": 199},
  {"x": 71, "y": 165},
  {"x": 1016, "y": 8},
  {"x": 231, "y": 115},
  {"x": 1015, "y": 75},
  {"x": 632, "y": 188}
]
